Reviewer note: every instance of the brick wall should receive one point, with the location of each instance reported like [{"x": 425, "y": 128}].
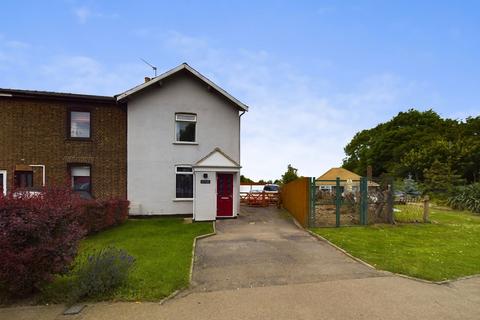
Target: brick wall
[{"x": 34, "y": 131}]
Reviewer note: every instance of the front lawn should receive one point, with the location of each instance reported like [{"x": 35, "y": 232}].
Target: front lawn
[
  {"x": 447, "y": 248},
  {"x": 163, "y": 252}
]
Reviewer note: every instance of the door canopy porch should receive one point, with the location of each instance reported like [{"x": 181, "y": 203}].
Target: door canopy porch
[{"x": 217, "y": 160}]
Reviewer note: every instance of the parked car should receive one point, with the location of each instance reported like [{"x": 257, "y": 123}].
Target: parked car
[
  {"x": 400, "y": 197},
  {"x": 271, "y": 188}
]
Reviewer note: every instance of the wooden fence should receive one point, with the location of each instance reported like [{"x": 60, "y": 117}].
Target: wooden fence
[
  {"x": 259, "y": 199},
  {"x": 296, "y": 199}
]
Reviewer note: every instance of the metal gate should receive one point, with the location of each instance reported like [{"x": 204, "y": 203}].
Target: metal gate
[{"x": 335, "y": 203}]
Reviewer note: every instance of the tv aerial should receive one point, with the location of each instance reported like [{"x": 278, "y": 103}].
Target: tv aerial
[{"x": 151, "y": 66}]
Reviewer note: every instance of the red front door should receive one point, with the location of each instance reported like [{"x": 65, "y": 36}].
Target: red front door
[{"x": 224, "y": 195}]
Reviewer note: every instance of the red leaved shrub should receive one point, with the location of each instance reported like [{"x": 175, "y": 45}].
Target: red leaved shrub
[
  {"x": 121, "y": 211},
  {"x": 39, "y": 236},
  {"x": 40, "y": 232},
  {"x": 99, "y": 215}
]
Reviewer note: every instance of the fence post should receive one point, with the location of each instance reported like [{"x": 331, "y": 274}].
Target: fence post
[
  {"x": 311, "y": 217},
  {"x": 363, "y": 200},
  {"x": 426, "y": 209},
  {"x": 391, "y": 200},
  {"x": 338, "y": 203}
]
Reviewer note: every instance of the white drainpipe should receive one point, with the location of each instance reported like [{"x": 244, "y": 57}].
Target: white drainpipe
[{"x": 43, "y": 171}]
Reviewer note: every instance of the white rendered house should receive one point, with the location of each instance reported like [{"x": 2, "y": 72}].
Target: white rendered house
[{"x": 183, "y": 145}]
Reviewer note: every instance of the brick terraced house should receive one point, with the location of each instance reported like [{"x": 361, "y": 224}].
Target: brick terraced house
[
  {"x": 180, "y": 154},
  {"x": 56, "y": 138}
]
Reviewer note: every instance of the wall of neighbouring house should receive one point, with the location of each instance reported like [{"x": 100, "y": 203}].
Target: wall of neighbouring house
[
  {"x": 152, "y": 153},
  {"x": 34, "y": 131}
]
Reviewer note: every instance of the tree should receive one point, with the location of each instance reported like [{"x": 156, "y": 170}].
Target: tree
[
  {"x": 412, "y": 141},
  {"x": 289, "y": 175},
  {"x": 410, "y": 186},
  {"x": 244, "y": 179},
  {"x": 441, "y": 179}
]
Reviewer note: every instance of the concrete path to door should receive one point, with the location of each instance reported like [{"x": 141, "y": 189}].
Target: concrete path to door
[
  {"x": 263, "y": 247},
  {"x": 261, "y": 266}
]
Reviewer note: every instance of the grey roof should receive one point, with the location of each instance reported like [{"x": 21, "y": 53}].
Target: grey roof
[
  {"x": 183, "y": 66},
  {"x": 54, "y": 95}
]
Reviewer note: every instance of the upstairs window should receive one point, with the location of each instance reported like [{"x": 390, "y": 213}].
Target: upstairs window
[
  {"x": 185, "y": 124},
  {"x": 79, "y": 122},
  {"x": 184, "y": 182}
]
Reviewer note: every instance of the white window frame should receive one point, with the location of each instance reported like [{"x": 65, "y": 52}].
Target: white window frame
[
  {"x": 78, "y": 168},
  {"x": 4, "y": 182},
  {"x": 89, "y": 123},
  {"x": 177, "y": 119},
  {"x": 183, "y": 172}
]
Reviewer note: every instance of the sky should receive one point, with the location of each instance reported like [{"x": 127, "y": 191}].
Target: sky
[{"x": 312, "y": 72}]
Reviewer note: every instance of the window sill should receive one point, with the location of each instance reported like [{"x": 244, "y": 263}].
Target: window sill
[
  {"x": 185, "y": 142},
  {"x": 79, "y": 139},
  {"x": 182, "y": 199}
]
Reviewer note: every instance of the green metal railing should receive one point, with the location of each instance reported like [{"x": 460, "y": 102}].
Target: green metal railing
[{"x": 339, "y": 201}]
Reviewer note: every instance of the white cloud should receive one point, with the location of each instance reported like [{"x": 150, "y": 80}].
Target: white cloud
[
  {"x": 15, "y": 44},
  {"x": 83, "y": 14},
  {"x": 325, "y": 10},
  {"x": 13, "y": 53},
  {"x": 293, "y": 118},
  {"x": 84, "y": 74}
]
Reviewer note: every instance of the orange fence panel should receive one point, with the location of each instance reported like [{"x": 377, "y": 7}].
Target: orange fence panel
[{"x": 295, "y": 197}]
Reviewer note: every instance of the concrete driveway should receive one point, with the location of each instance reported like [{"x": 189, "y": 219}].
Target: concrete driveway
[
  {"x": 263, "y": 247},
  {"x": 261, "y": 266}
]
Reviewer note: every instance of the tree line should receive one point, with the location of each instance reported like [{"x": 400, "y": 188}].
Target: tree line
[{"x": 421, "y": 144}]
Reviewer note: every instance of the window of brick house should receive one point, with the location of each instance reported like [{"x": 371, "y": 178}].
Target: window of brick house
[
  {"x": 81, "y": 179},
  {"x": 185, "y": 127},
  {"x": 184, "y": 182},
  {"x": 23, "y": 179},
  {"x": 79, "y": 124},
  {"x": 3, "y": 182}
]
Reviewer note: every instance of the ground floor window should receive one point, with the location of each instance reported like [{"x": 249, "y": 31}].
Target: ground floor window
[
  {"x": 3, "y": 182},
  {"x": 23, "y": 179},
  {"x": 81, "y": 178},
  {"x": 184, "y": 182}
]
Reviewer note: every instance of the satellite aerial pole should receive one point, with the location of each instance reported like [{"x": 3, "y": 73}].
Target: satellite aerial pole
[{"x": 151, "y": 66}]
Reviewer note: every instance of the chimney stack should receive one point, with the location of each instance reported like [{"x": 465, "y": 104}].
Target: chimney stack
[
  {"x": 369, "y": 173},
  {"x": 147, "y": 79}
]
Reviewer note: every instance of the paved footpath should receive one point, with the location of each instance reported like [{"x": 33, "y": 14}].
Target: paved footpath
[{"x": 261, "y": 266}]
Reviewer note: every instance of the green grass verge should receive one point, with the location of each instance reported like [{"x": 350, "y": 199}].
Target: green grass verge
[
  {"x": 447, "y": 248},
  {"x": 163, "y": 252}
]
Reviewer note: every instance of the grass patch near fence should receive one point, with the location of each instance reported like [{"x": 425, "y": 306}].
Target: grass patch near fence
[
  {"x": 163, "y": 252},
  {"x": 411, "y": 212},
  {"x": 446, "y": 248}
]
